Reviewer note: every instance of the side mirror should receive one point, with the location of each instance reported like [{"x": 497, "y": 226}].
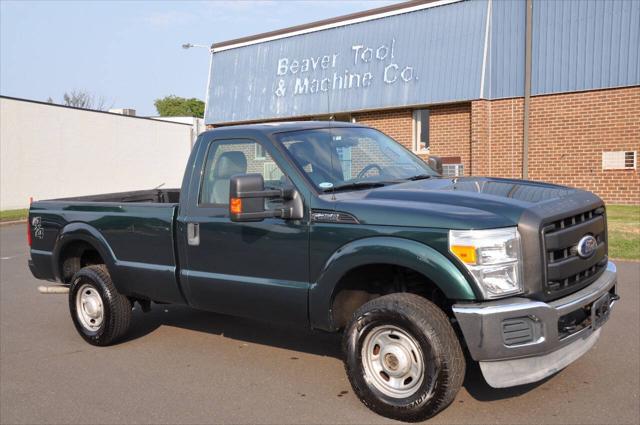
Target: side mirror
[
  {"x": 247, "y": 197},
  {"x": 435, "y": 162}
]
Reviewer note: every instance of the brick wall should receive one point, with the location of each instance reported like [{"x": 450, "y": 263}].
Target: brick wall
[
  {"x": 480, "y": 135},
  {"x": 449, "y": 128},
  {"x": 569, "y": 132},
  {"x": 397, "y": 124},
  {"x": 506, "y": 132},
  {"x": 567, "y": 135},
  {"x": 450, "y": 132}
]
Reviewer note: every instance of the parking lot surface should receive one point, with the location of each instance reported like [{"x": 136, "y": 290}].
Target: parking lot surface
[{"x": 186, "y": 366}]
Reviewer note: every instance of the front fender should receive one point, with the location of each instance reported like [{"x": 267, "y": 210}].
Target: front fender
[{"x": 383, "y": 250}]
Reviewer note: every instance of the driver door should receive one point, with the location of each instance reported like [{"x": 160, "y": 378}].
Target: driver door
[{"x": 255, "y": 269}]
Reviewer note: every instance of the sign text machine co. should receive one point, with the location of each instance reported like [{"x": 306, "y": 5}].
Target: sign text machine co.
[{"x": 300, "y": 75}]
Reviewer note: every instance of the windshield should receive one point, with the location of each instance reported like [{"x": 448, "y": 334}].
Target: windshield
[{"x": 351, "y": 158}]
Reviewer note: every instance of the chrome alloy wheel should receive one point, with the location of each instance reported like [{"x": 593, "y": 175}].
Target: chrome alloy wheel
[
  {"x": 89, "y": 308},
  {"x": 392, "y": 361}
]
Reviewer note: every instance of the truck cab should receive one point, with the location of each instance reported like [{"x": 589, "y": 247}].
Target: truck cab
[{"x": 337, "y": 227}]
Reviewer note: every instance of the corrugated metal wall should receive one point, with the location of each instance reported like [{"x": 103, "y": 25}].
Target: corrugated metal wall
[
  {"x": 577, "y": 45},
  {"x": 504, "y": 76},
  {"x": 443, "y": 45},
  {"x": 582, "y": 45}
]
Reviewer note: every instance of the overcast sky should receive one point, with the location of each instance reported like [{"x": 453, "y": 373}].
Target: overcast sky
[{"x": 129, "y": 51}]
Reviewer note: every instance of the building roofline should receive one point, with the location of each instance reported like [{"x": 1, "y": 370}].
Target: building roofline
[
  {"x": 39, "y": 102},
  {"x": 367, "y": 15}
]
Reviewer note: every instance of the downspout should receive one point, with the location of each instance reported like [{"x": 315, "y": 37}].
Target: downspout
[
  {"x": 527, "y": 88},
  {"x": 485, "y": 61}
]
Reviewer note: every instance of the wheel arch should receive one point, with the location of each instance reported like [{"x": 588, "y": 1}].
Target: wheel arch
[
  {"x": 76, "y": 239},
  {"x": 396, "y": 252}
]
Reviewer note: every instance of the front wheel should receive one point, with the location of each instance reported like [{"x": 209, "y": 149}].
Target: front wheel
[
  {"x": 402, "y": 357},
  {"x": 100, "y": 313}
]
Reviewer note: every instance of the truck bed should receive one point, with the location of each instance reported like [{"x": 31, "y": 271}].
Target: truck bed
[
  {"x": 134, "y": 233},
  {"x": 159, "y": 196}
]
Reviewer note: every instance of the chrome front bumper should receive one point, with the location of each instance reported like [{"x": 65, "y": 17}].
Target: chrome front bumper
[{"x": 547, "y": 351}]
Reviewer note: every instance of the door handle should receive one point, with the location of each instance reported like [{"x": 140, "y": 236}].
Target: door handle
[{"x": 193, "y": 234}]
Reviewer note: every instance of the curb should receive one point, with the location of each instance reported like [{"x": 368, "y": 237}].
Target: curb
[{"x": 7, "y": 223}]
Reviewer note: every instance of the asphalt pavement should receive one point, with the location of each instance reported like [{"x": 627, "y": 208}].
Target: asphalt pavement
[{"x": 186, "y": 366}]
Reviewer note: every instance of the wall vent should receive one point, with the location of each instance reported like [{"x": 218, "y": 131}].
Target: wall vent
[{"x": 619, "y": 160}]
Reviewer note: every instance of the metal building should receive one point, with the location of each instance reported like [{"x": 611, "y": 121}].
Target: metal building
[{"x": 540, "y": 89}]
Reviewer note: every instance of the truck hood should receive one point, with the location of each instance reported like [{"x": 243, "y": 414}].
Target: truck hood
[{"x": 458, "y": 203}]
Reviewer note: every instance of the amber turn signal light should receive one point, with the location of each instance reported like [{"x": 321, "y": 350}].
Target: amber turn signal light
[
  {"x": 466, "y": 254},
  {"x": 235, "y": 206}
]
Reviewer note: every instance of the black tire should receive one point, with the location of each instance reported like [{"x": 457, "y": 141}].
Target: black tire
[
  {"x": 116, "y": 308},
  {"x": 442, "y": 357}
]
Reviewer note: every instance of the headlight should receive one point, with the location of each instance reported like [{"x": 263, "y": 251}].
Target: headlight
[{"x": 492, "y": 256}]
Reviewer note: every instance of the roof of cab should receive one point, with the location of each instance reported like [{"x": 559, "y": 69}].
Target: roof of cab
[{"x": 284, "y": 126}]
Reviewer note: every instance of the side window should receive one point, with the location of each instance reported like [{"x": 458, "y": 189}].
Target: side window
[{"x": 227, "y": 158}]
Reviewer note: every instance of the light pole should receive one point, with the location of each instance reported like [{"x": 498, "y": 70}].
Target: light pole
[{"x": 187, "y": 46}]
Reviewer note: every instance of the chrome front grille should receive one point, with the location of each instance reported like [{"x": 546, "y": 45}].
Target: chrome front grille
[{"x": 566, "y": 271}]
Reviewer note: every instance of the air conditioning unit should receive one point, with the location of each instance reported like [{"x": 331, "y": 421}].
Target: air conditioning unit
[
  {"x": 619, "y": 160},
  {"x": 123, "y": 111}
]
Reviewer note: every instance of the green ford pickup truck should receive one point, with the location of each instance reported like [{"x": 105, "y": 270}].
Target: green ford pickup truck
[{"x": 337, "y": 227}]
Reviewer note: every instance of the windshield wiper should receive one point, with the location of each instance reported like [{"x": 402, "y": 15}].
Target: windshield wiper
[{"x": 355, "y": 186}]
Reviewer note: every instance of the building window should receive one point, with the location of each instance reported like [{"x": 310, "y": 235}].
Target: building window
[
  {"x": 421, "y": 130},
  {"x": 271, "y": 172},
  {"x": 344, "y": 153},
  {"x": 260, "y": 152}
]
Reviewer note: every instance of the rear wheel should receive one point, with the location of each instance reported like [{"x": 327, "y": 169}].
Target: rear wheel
[
  {"x": 402, "y": 357},
  {"x": 100, "y": 314}
]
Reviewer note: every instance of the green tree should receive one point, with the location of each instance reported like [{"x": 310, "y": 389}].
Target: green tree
[{"x": 174, "y": 106}]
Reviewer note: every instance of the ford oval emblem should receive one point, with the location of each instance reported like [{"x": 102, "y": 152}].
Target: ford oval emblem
[{"x": 587, "y": 246}]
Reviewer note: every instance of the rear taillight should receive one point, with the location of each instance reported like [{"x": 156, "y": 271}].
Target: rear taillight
[{"x": 29, "y": 239}]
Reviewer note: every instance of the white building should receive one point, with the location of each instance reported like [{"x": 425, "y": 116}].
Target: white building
[
  {"x": 197, "y": 124},
  {"x": 51, "y": 151}
]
